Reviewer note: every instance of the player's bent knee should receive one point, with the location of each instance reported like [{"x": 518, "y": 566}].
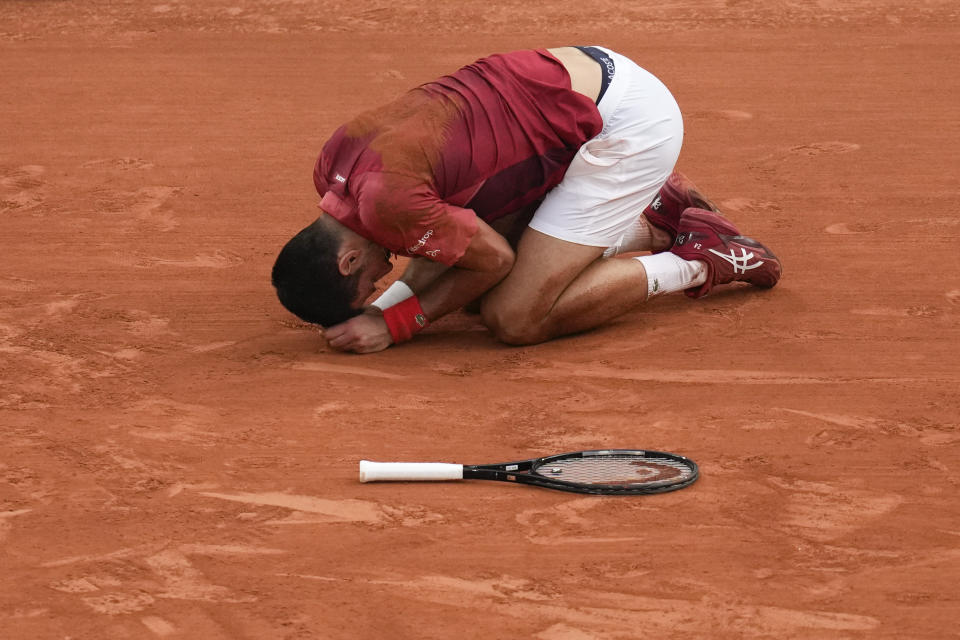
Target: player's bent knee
[
  {"x": 512, "y": 328},
  {"x": 519, "y": 338}
]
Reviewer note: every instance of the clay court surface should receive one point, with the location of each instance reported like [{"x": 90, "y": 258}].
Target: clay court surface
[{"x": 178, "y": 455}]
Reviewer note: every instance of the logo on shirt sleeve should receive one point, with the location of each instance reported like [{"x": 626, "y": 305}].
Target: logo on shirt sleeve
[
  {"x": 421, "y": 243},
  {"x": 339, "y": 178}
]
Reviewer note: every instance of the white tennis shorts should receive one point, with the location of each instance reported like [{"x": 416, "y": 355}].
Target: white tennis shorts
[{"x": 616, "y": 174}]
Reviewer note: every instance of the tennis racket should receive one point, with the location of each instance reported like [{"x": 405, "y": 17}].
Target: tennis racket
[{"x": 610, "y": 471}]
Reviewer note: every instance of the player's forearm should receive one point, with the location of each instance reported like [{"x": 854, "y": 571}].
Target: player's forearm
[
  {"x": 421, "y": 273},
  {"x": 408, "y": 314},
  {"x": 456, "y": 286},
  {"x": 486, "y": 261}
]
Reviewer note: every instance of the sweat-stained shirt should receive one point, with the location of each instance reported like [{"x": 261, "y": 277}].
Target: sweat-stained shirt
[{"x": 414, "y": 175}]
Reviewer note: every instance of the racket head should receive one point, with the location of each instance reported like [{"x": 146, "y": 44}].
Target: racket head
[{"x": 613, "y": 472}]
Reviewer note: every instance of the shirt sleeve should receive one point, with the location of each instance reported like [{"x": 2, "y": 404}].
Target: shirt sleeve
[{"x": 407, "y": 217}]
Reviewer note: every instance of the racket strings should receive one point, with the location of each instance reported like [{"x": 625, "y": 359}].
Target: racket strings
[{"x": 617, "y": 469}]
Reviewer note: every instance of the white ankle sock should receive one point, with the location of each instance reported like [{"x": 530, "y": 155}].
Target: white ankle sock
[{"x": 667, "y": 272}]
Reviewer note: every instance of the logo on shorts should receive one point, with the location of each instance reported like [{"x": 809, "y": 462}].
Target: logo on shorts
[
  {"x": 655, "y": 205},
  {"x": 339, "y": 178},
  {"x": 421, "y": 242},
  {"x": 611, "y": 67}
]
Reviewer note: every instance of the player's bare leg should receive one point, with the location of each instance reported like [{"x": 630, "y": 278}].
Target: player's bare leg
[{"x": 558, "y": 287}]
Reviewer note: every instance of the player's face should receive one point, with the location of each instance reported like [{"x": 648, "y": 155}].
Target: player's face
[{"x": 376, "y": 265}]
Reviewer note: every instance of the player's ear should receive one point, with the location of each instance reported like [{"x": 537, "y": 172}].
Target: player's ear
[{"x": 349, "y": 261}]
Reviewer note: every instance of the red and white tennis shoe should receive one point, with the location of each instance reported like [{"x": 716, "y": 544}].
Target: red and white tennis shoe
[
  {"x": 730, "y": 257},
  {"x": 676, "y": 195}
]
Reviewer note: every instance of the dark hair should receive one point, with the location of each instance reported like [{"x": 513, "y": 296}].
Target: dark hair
[{"x": 308, "y": 280}]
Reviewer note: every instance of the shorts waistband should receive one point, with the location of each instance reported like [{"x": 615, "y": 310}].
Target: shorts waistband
[{"x": 606, "y": 64}]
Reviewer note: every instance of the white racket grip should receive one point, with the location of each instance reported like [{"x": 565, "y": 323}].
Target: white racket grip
[{"x": 409, "y": 471}]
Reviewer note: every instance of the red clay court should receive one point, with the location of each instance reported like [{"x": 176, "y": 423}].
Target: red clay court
[{"x": 178, "y": 454}]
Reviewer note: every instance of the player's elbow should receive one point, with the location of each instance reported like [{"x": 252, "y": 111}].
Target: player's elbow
[
  {"x": 497, "y": 261},
  {"x": 488, "y": 254},
  {"x": 504, "y": 263}
]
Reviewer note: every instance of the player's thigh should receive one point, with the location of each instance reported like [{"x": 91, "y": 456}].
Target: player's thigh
[
  {"x": 544, "y": 267},
  {"x": 513, "y": 225}
]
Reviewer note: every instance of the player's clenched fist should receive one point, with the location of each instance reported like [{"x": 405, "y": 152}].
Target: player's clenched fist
[{"x": 365, "y": 333}]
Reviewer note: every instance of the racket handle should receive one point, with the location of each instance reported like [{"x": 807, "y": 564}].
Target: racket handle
[{"x": 409, "y": 471}]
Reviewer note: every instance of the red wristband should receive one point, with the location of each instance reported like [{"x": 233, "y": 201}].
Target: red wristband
[{"x": 405, "y": 319}]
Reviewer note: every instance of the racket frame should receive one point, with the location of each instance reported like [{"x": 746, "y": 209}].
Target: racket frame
[{"x": 525, "y": 472}]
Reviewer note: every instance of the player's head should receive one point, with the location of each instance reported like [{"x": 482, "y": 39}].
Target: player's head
[{"x": 325, "y": 273}]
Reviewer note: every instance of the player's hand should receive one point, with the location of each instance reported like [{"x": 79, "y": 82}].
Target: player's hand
[{"x": 365, "y": 333}]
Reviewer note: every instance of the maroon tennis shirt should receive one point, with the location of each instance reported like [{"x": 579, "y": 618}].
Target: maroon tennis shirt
[{"x": 414, "y": 175}]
